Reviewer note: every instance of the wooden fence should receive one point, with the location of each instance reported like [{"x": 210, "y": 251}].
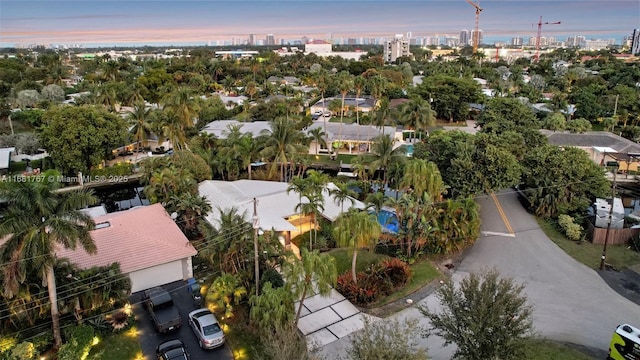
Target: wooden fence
[{"x": 616, "y": 236}]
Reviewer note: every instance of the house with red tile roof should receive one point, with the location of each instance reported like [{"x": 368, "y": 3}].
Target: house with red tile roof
[{"x": 145, "y": 241}]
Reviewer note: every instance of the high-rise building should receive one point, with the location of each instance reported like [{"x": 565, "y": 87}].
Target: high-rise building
[
  {"x": 395, "y": 48},
  {"x": 472, "y": 36},
  {"x": 252, "y": 39},
  {"x": 635, "y": 42},
  {"x": 464, "y": 37},
  {"x": 516, "y": 41},
  {"x": 270, "y": 40}
]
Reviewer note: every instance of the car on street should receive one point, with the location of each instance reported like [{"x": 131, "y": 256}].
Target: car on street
[
  {"x": 206, "y": 328},
  {"x": 173, "y": 349}
]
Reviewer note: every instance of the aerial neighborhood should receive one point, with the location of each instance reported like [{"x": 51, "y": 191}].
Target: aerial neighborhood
[{"x": 385, "y": 200}]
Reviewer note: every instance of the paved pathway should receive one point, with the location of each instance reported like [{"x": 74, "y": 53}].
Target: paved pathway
[
  {"x": 571, "y": 301},
  {"x": 325, "y": 319}
]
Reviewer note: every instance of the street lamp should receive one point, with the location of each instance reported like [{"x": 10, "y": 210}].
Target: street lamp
[{"x": 614, "y": 169}]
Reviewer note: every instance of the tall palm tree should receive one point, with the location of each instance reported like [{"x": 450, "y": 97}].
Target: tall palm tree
[
  {"x": 37, "y": 220},
  {"x": 317, "y": 270},
  {"x": 321, "y": 81},
  {"x": 345, "y": 83},
  {"x": 299, "y": 185},
  {"x": 317, "y": 182},
  {"x": 359, "y": 83},
  {"x": 141, "y": 127},
  {"x": 246, "y": 149},
  {"x": 417, "y": 114},
  {"x": 317, "y": 135},
  {"x": 423, "y": 177},
  {"x": 182, "y": 103},
  {"x": 342, "y": 193},
  {"x": 356, "y": 229},
  {"x": 384, "y": 154},
  {"x": 283, "y": 141}
]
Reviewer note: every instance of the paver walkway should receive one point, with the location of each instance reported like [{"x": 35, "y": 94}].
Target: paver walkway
[{"x": 325, "y": 319}]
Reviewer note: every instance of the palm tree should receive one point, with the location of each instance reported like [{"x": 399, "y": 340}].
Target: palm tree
[
  {"x": 384, "y": 154},
  {"x": 359, "y": 84},
  {"x": 181, "y": 103},
  {"x": 246, "y": 148},
  {"x": 141, "y": 127},
  {"x": 423, "y": 177},
  {"x": 37, "y": 220},
  {"x": 225, "y": 291},
  {"x": 317, "y": 270},
  {"x": 317, "y": 135},
  {"x": 317, "y": 181},
  {"x": 342, "y": 193},
  {"x": 345, "y": 83},
  {"x": 191, "y": 208},
  {"x": 173, "y": 130},
  {"x": 417, "y": 114},
  {"x": 283, "y": 141},
  {"x": 299, "y": 185},
  {"x": 356, "y": 229},
  {"x": 381, "y": 114}
]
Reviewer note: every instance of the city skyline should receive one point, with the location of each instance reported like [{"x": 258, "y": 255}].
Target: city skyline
[{"x": 134, "y": 23}]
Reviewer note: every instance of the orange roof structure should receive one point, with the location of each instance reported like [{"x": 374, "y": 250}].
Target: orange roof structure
[{"x": 138, "y": 238}]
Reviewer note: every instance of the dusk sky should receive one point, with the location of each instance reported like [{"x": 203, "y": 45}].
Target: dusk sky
[{"x": 130, "y": 23}]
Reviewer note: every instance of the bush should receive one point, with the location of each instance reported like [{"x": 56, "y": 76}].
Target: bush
[
  {"x": 368, "y": 288},
  {"x": 397, "y": 271},
  {"x": 272, "y": 276},
  {"x": 23, "y": 351},
  {"x": 79, "y": 340},
  {"x": 572, "y": 230},
  {"x": 17, "y": 166}
]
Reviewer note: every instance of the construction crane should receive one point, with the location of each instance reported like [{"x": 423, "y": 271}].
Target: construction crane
[
  {"x": 476, "y": 34},
  {"x": 540, "y": 23}
]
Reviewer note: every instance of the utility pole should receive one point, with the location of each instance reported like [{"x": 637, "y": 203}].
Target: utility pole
[
  {"x": 614, "y": 165},
  {"x": 256, "y": 227}
]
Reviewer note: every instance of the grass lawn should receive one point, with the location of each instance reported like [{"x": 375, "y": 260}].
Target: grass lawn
[
  {"x": 325, "y": 159},
  {"x": 423, "y": 273},
  {"x": 589, "y": 254},
  {"x": 544, "y": 349},
  {"x": 243, "y": 342},
  {"x": 118, "y": 346},
  {"x": 365, "y": 258}
]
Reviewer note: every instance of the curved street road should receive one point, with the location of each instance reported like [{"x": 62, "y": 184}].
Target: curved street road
[{"x": 571, "y": 301}]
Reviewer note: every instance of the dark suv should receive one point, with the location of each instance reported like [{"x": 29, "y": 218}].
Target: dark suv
[{"x": 172, "y": 350}]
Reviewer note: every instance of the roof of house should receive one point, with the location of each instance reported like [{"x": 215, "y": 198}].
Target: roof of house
[
  {"x": 138, "y": 238},
  {"x": 362, "y": 102},
  {"x": 353, "y": 132},
  {"x": 275, "y": 204},
  {"x": 220, "y": 128},
  {"x": 5, "y": 156},
  {"x": 592, "y": 139}
]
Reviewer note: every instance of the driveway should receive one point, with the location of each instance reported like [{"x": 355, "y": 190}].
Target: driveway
[
  {"x": 149, "y": 338},
  {"x": 571, "y": 301}
]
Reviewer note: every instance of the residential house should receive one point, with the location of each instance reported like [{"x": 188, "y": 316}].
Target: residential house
[
  {"x": 145, "y": 241},
  {"x": 364, "y": 104},
  {"x": 602, "y": 146},
  {"x": 276, "y": 207}
]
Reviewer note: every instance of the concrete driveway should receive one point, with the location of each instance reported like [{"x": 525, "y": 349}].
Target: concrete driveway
[
  {"x": 571, "y": 301},
  {"x": 149, "y": 338}
]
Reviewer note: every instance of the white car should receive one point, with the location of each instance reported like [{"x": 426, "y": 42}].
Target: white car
[{"x": 206, "y": 328}]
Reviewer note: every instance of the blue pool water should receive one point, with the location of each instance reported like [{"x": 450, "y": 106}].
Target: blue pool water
[
  {"x": 388, "y": 221},
  {"x": 409, "y": 150}
]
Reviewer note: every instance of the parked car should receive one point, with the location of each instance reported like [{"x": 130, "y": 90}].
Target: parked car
[
  {"x": 206, "y": 328},
  {"x": 173, "y": 349},
  {"x": 163, "y": 312}
]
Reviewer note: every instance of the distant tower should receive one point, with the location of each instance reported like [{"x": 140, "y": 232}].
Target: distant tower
[
  {"x": 252, "y": 39},
  {"x": 635, "y": 42},
  {"x": 464, "y": 37},
  {"x": 270, "y": 40},
  {"x": 409, "y": 35}
]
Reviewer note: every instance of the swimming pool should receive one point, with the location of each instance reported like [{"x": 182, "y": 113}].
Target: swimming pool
[
  {"x": 388, "y": 220},
  {"x": 408, "y": 150}
]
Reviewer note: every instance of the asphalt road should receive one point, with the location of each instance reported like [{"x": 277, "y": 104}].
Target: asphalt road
[
  {"x": 571, "y": 301},
  {"x": 149, "y": 338}
]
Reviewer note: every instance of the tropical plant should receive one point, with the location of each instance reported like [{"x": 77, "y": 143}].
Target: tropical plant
[
  {"x": 37, "y": 220},
  {"x": 342, "y": 193},
  {"x": 389, "y": 340},
  {"x": 226, "y": 291},
  {"x": 283, "y": 142},
  {"x": 356, "y": 229},
  {"x": 417, "y": 114}
]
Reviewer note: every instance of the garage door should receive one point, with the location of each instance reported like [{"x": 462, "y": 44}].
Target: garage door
[{"x": 156, "y": 276}]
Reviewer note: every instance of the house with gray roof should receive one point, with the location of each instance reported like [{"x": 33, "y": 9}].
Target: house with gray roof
[
  {"x": 364, "y": 104},
  {"x": 602, "y": 146}
]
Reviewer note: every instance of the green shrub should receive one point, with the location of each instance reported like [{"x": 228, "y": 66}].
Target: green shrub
[
  {"x": 43, "y": 341},
  {"x": 572, "y": 230},
  {"x": 119, "y": 169},
  {"x": 79, "y": 340},
  {"x": 17, "y": 166},
  {"x": 272, "y": 276},
  {"x": 23, "y": 351},
  {"x": 397, "y": 271}
]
